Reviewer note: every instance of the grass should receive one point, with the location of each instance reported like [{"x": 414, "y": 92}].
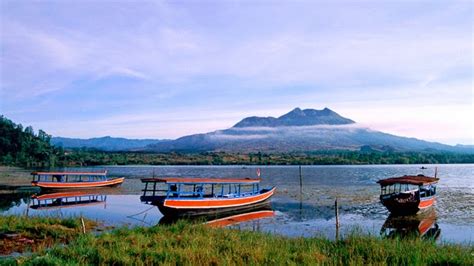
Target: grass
[
  {"x": 20, "y": 234},
  {"x": 187, "y": 244}
]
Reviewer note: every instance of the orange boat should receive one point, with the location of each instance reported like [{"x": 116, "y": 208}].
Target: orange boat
[
  {"x": 408, "y": 194},
  {"x": 73, "y": 180},
  {"x": 182, "y": 197}
]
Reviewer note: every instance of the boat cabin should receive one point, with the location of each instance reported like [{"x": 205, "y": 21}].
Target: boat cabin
[
  {"x": 198, "y": 188},
  {"x": 420, "y": 185},
  {"x": 69, "y": 176}
]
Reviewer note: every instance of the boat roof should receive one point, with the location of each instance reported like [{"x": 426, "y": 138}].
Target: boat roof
[
  {"x": 194, "y": 180},
  {"x": 409, "y": 179},
  {"x": 71, "y": 173}
]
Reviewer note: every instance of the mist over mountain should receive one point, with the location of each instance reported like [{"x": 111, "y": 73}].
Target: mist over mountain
[
  {"x": 299, "y": 130},
  {"x": 104, "y": 143}
]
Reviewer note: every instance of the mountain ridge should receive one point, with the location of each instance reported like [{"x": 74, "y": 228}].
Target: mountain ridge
[
  {"x": 296, "y": 131},
  {"x": 105, "y": 143},
  {"x": 296, "y": 117}
]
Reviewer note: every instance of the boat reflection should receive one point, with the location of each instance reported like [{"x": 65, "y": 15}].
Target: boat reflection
[
  {"x": 67, "y": 199},
  {"x": 224, "y": 220},
  {"x": 421, "y": 226}
]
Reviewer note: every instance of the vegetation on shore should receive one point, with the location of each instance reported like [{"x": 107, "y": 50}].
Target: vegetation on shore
[
  {"x": 24, "y": 148},
  {"x": 184, "y": 243},
  {"x": 19, "y": 234},
  {"x": 83, "y": 157}
]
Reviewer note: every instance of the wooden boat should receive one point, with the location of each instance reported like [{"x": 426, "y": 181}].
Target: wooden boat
[
  {"x": 184, "y": 197},
  {"x": 67, "y": 200},
  {"x": 408, "y": 194},
  {"x": 421, "y": 226},
  {"x": 73, "y": 180}
]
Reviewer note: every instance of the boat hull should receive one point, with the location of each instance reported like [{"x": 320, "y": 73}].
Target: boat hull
[
  {"x": 77, "y": 185},
  {"x": 212, "y": 206},
  {"x": 399, "y": 206}
]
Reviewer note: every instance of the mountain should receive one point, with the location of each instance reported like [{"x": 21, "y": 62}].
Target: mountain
[
  {"x": 104, "y": 143},
  {"x": 298, "y": 130},
  {"x": 297, "y": 117}
]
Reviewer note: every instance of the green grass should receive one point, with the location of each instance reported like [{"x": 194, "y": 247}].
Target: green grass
[{"x": 186, "y": 244}]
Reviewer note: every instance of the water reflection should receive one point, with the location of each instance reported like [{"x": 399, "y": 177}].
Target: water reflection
[
  {"x": 10, "y": 200},
  {"x": 421, "y": 225},
  {"x": 228, "y": 219},
  {"x": 67, "y": 200}
]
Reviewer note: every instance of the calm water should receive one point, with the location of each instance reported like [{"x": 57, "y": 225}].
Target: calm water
[{"x": 308, "y": 212}]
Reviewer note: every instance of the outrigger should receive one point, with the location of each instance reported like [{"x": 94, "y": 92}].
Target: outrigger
[
  {"x": 408, "y": 194},
  {"x": 73, "y": 180},
  {"x": 185, "y": 197}
]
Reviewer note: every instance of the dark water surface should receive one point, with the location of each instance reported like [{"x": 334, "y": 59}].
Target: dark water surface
[{"x": 306, "y": 212}]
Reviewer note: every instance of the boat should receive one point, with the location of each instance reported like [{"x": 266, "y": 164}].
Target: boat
[
  {"x": 422, "y": 225},
  {"x": 73, "y": 180},
  {"x": 187, "y": 197},
  {"x": 407, "y": 195},
  {"x": 67, "y": 200}
]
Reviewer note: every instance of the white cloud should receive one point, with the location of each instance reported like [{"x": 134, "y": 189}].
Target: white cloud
[{"x": 343, "y": 51}]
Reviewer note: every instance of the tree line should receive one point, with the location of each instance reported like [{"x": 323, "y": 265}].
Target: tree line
[{"x": 24, "y": 148}]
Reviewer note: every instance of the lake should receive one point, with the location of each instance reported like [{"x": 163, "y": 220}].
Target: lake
[{"x": 306, "y": 212}]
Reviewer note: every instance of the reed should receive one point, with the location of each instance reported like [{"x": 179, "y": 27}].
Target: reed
[{"x": 184, "y": 243}]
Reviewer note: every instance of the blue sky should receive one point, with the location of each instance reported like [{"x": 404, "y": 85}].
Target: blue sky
[{"x": 164, "y": 69}]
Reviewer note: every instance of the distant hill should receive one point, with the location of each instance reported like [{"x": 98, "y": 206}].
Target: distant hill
[
  {"x": 299, "y": 130},
  {"x": 104, "y": 143}
]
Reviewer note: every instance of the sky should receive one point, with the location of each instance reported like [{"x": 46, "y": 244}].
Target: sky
[{"x": 165, "y": 69}]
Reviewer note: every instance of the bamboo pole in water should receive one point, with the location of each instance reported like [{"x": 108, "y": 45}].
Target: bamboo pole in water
[
  {"x": 301, "y": 181},
  {"x": 336, "y": 207}
]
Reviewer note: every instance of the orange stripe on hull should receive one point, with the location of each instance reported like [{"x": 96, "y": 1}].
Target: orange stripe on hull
[
  {"x": 217, "y": 203},
  {"x": 78, "y": 184},
  {"x": 426, "y": 203}
]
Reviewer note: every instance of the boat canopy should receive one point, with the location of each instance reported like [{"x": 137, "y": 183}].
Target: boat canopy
[
  {"x": 192, "y": 180},
  {"x": 419, "y": 180},
  {"x": 71, "y": 173}
]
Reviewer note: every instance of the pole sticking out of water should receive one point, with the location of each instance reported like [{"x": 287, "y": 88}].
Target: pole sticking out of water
[
  {"x": 337, "y": 219},
  {"x": 301, "y": 181},
  {"x": 28, "y": 206}
]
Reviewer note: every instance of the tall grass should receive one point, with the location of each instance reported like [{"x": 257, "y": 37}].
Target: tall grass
[{"x": 187, "y": 244}]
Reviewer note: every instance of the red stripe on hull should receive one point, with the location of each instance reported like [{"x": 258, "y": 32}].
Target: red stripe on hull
[
  {"x": 62, "y": 185},
  {"x": 217, "y": 203},
  {"x": 426, "y": 203}
]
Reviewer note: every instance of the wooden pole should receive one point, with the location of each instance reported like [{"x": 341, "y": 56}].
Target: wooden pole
[
  {"x": 301, "y": 181},
  {"x": 83, "y": 226},
  {"x": 301, "y": 193},
  {"x": 28, "y": 206},
  {"x": 336, "y": 207}
]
